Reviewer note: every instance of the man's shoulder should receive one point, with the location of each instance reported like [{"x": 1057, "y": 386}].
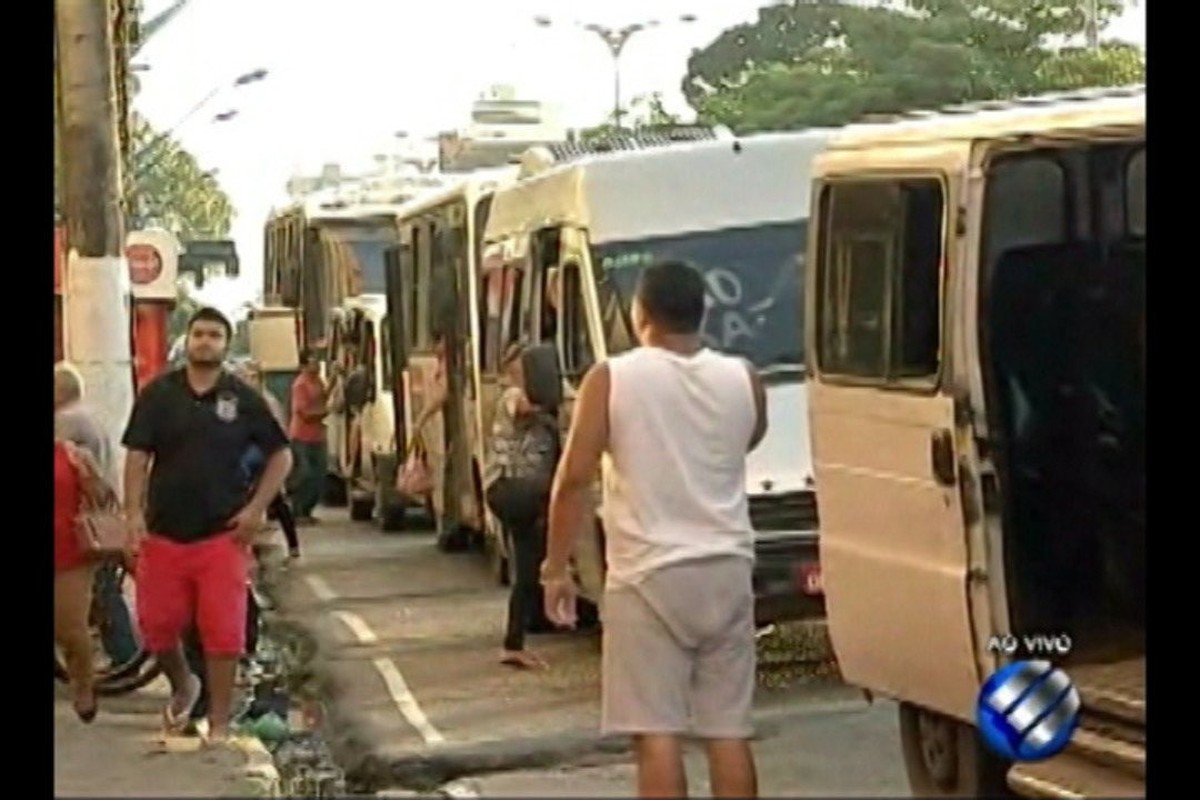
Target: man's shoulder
[{"x": 162, "y": 385}]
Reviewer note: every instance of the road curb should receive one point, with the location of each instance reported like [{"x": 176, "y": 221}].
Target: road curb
[{"x": 258, "y": 777}]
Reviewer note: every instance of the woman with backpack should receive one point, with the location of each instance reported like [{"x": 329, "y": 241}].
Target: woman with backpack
[{"x": 524, "y": 454}]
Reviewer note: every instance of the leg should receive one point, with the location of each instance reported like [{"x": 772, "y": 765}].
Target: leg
[
  {"x": 302, "y": 471},
  {"x": 165, "y": 605},
  {"x": 723, "y": 684},
  {"x": 313, "y": 479},
  {"x": 117, "y": 630},
  {"x": 72, "y": 602},
  {"x": 193, "y": 651},
  {"x": 522, "y": 549},
  {"x": 644, "y": 690},
  {"x": 282, "y": 511},
  {"x": 224, "y": 571}
]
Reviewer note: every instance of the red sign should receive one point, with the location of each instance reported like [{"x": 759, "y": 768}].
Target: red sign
[{"x": 145, "y": 263}]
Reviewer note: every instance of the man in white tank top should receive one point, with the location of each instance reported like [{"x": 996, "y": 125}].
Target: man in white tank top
[{"x": 675, "y": 421}]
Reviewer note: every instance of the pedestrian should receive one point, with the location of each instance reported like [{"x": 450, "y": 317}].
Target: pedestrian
[
  {"x": 74, "y": 471},
  {"x": 188, "y": 433},
  {"x": 307, "y": 431},
  {"x": 676, "y": 421},
  {"x": 75, "y": 422},
  {"x": 280, "y": 509},
  {"x": 518, "y": 473}
]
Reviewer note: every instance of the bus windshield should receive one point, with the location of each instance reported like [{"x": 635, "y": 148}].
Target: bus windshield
[
  {"x": 754, "y": 278},
  {"x": 365, "y": 250}
]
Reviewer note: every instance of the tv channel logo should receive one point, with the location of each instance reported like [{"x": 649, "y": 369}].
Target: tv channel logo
[{"x": 1028, "y": 711}]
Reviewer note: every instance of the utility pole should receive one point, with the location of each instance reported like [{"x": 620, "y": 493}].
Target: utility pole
[{"x": 96, "y": 302}]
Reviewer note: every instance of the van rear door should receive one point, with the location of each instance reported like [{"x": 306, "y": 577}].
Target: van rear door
[{"x": 893, "y": 545}]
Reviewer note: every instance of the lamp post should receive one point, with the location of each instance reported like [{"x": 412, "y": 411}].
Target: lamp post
[
  {"x": 615, "y": 40},
  {"x": 242, "y": 80}
]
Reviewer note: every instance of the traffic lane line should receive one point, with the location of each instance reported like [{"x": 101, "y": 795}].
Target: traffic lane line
[
  {"x": 406, "y": 702},
  {"x": 357, "y": 626},
  {"x": 323, "y": 591}
]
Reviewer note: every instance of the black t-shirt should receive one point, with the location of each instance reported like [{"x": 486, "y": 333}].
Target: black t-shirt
[{"x": 197, "y": 442}]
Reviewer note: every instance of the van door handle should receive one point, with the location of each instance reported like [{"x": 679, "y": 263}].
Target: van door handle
[{"x": 941, "y": 453}]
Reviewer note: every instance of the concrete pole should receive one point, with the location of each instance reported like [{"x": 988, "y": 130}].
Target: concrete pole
[{"x": 96, "y": 313}]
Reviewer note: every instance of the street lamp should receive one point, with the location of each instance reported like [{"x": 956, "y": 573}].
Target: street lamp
[
  {"x": 615, "y": 40},
  {"x": 242, "y": 80}
]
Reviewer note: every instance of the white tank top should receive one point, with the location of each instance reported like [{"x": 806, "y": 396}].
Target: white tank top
[{"x": 679, "y": 427}]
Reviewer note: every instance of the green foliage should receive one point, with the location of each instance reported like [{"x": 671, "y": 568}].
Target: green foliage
[
  {"x": 173, "y": 192},
  {"x": 820, "y": 63},
  {"x": 645, "y": 111}
]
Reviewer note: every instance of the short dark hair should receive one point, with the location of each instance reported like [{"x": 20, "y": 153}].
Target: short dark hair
[
  {"x": 306, "y": 354},
  {"x": 210, "y": 314},
  {"x": 672, "y": 295}
]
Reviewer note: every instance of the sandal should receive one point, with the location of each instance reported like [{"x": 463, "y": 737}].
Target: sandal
[{"x": 176, "y": 722}]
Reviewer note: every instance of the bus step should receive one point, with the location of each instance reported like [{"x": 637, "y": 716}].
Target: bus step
[{"x": 1073, "y": 775}]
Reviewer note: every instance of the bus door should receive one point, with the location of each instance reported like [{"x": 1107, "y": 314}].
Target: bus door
[
  {"x": 884, "y": 426},
  {"x": 398, "y": 283}
]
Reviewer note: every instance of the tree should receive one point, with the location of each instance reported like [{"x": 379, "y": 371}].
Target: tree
[
  {"x": 645, "y": 111},
  {"x": 821, "y": 63},
  {"x": 172, "y": 191}
]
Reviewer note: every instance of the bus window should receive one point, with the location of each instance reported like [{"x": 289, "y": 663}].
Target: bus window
[
  {"x": 367, "y": 358},
  {"x": 575, "y": 345},
  {"x": 879, "y": 278},
  {"x": 1026, "y": 204},
  {"x": 493, "y": 304},
  {"x": 1135, "y": 194}
]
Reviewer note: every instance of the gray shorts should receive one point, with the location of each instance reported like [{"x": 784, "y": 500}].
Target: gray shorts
[{"x": 679, "y": 652}]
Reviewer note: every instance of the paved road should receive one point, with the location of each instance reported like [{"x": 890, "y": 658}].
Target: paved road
[{"x": 407, "y": 640}]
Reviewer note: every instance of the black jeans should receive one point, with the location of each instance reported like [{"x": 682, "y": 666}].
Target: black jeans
[
  {"x": 525, "y": 547},
  {"x": 280, "y": 510}
]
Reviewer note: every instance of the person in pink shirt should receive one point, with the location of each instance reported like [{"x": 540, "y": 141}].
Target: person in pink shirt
[{"x": 307, "y": 432}]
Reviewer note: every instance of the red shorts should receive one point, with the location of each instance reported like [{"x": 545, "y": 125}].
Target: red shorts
[{"x": 203, "y": 582}]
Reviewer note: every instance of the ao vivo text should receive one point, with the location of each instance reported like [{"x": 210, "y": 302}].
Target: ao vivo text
[{"x": 1031, "y": 644}]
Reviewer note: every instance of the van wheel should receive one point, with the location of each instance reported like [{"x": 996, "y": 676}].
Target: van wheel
[
  {"x": 361, "y": 508},
  {"x": 946, "y": 758}
]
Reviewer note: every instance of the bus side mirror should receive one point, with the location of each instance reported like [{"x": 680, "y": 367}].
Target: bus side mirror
[{"x": 543, "y": 379}]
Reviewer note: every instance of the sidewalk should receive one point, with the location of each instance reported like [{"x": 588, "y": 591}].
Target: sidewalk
[{"x": 123, "y": 754}]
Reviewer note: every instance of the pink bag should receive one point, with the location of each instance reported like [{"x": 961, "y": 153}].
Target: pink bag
[{"x": 413, "y": 479}]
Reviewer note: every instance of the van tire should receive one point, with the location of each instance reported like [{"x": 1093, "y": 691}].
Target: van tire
[{"x": 946, "y": 758}]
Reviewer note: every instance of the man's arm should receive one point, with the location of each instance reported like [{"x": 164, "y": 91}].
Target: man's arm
[
  {"x": 760, "y": 407},
  {"x": 576, "y": 473},
  {"x": 266, "y": 432},
  {"x": 141, "y": 441}
]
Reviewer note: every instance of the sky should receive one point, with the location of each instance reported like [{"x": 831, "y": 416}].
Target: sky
[{"x": 345, "y": 75}]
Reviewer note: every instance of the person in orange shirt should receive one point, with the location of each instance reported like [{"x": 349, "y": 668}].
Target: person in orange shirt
[{"x": 307, "y": 432}]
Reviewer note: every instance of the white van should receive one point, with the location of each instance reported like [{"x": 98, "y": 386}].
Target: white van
[{"x": 578, "y": 235}]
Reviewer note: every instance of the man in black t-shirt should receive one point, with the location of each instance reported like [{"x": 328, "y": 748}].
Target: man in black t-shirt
[{"x": 188, "y": 432}]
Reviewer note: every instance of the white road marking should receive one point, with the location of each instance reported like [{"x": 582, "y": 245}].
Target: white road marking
[
  {"x": 320, "y": 588},
  {"x": 358, "y": 626},
  {"x": 406, "y": 702}
]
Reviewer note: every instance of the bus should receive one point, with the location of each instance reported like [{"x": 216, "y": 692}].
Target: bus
[
  {"x": 975, "y": 324},
  {"x": 433, "y": 296}
]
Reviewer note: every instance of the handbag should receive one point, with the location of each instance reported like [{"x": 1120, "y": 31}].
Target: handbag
[
  {"x": 414, "y": 480},
  {"x": 100, "y": 527}
]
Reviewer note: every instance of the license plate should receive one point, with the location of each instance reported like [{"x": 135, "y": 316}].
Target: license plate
[{"x": 810, "y": 579}]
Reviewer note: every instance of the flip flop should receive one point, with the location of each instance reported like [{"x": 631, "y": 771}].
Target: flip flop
[{"x": 176, "y": 723}]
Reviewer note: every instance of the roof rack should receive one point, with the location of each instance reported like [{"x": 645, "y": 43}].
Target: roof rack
[
  {"x": 1031, "y": 101},
  {"x": 644, "y": 138}
]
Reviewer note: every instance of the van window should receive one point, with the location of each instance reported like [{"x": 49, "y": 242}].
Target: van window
[
  {"x": 421, "y": 290},
  {"x": 879, "y": 278},
  {"x": 575, "y": 348},
  {"x": 1027, "y": 204},
  {"x": 1135, "y": 194},
  {"x": 386, "y": 353}
]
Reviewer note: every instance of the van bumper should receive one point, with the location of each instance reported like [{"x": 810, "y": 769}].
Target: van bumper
[{"x": 787, "y": 577}]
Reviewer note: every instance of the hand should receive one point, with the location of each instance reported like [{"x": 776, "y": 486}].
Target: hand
[
  {"x": 561, "y": 597},
  {"x": 247, "y": 523},
  {"x": 136, "y": 523}
]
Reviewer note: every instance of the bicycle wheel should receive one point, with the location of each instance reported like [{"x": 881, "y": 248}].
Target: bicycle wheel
[{"x": 121, "y": 664}]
